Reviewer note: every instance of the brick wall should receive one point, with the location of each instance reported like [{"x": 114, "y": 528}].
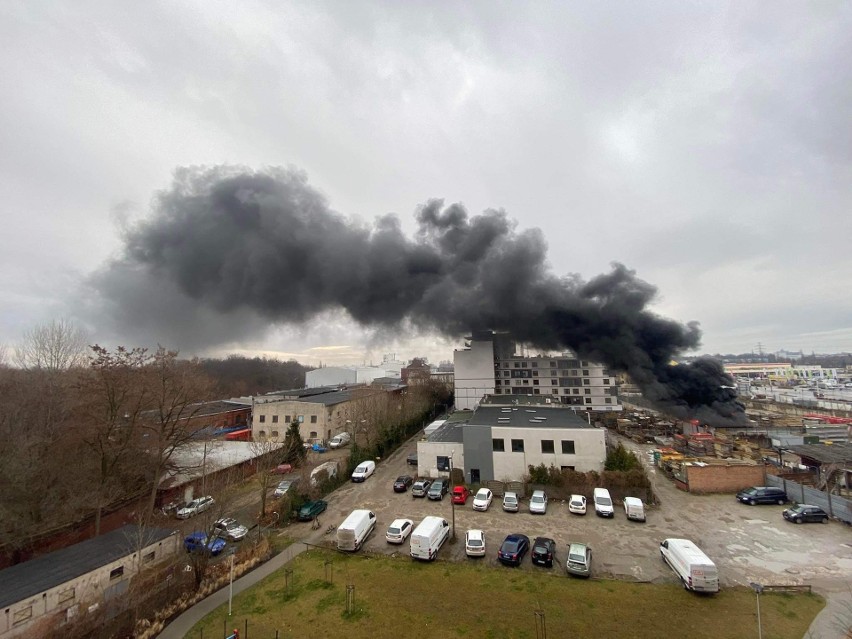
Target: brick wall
[{"x": 723, "y": 479}]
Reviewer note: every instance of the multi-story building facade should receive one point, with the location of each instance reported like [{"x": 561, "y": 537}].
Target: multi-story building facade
[{"x": 491, "y": 366}]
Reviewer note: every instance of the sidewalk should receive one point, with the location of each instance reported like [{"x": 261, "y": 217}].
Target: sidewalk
[{"x": 181, "y": 625}]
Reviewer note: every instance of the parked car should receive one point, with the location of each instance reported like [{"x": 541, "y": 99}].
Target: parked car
[
  {"x": 805, "y": 513},
  {"x": 363, "y": 470},
  {"x": 543, "y": 551},
  {"x": 460, "y": 495},
  {"x": 402, "y": 483},
  {"x": 230, "y": 529},
  {"x": 482, "y": 500},
  {"x": 196, "y": 506},
  {"x": 198, "y": 542},
  {"x": 311, "y": 509},
  {"x": 421, "y": 487},
  {"x": 603, "y": 502},
  {"x": 282, "y": 469},
  {"x": 510, "y": 502},
  {"x": 513, "y": 549},
  {"x": 634, "y": 509},
  {"x": 577, "y": 505},
  {"x": 474, "y": 543},
  {"x": 340, "y": 440},
  {"x": 762, "y": 495},
  {"x": 437, "y": 490},
  {"x": 579, "y": 560},
  {"x": 538, "y": 502},
  {"x": 284, "y": 487},
  {"x": 399, "y": 530},
  {"x": 411, "y": 460}
]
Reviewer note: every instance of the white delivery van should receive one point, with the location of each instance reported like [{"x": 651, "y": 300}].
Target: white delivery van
[
  {"x": 355, "y": 529},
  {"x": 340, "y": 440},
  {"x": 363, "y": 470},
  {"x": 603, "y": 503},
  {"x": 634, "y": 508},
  {"x": 329, "y": 467},
  {"x": 428, "y": 537},
  {"x": 694, "y": 568}
]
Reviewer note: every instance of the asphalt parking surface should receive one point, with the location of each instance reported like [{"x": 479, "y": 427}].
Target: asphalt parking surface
[{"x": 747, "y": 543}]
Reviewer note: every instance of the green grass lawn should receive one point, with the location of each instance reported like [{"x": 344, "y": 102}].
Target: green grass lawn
[{"x": 399, "y": 597}]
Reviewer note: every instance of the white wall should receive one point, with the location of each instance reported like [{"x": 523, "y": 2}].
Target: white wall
[
  {"x": 428, "y": 452},
  {"x": 474, "y": 374},
  {"x": 330, "y": 376},
  {"x": 589, "y": 447}
]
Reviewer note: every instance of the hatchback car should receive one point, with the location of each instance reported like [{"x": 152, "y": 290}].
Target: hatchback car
[
  {"x": 510, "y": 502},
  {"x": 482, "y": 500},
  {"x": 399, "y": 530},
  {"x": 460, "y": 495},
  {"x": 311, "y": 509},
  {"x": 402, "y": 483},
  {"x": 196, "y": 506},
  {"x": 762, "y": 495},
  {"x": 230, "y": 529},
  {"x": 538, "y": 502},
  {"x": 474, "y": 543},
  {"x": 283, "y": 487},
  {"x": 513, "y": 549},
  {"x": 577, "y": 505},
  {"x": 420, "y": 488},
  {"x": 806, "y": 513},
  {"x": 579, "y": 560},
  {"x": 411, "y": 460},
  {"x": 198, "y": 542},
  {"x": 543, "y": 551},
  {"x": 437, "y": 490}
]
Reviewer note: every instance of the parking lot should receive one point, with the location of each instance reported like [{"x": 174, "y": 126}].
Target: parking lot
[{"x": 748, "y": 543}]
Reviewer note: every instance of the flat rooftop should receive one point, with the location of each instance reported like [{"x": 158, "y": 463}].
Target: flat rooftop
[
  {"x": 450, "y": 432},
  {"x": 528, "y": 417}
]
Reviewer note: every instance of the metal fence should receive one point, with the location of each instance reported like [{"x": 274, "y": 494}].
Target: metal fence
[{"x": 834, "y": 505}]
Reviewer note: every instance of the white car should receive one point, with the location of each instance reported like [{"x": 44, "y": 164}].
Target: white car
[
  {"x": 577, "y": 505},
  {"x": 196, "y": 506},
  {"x": 483, "y": 499},
  {"x": 230, "y": 529},
  {"x": 283, "y": 487},
  {"x": 538, "y": 502},
  {"x": 474, "y": 543},
  {"x": 510, "y": 502},
  {"x": 399, "y": 530}
]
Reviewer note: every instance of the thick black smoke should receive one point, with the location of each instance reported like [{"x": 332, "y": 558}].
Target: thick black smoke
[{"x": 266, "y": 243}]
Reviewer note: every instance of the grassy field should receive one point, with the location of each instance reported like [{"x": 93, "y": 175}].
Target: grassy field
[{"x": 395, "y": 596}]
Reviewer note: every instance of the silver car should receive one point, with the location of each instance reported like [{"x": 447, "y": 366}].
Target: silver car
[
  {"x": 196, "y": 506},
  {"x": 230, "y": 529},
  {"x": 538, "y": 502},
  {"x": 579, "y": 560},
  {"x": 510, "y": 502}
]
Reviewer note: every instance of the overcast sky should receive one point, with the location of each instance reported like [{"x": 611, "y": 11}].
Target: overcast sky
[{"x": 706, "y": 146}]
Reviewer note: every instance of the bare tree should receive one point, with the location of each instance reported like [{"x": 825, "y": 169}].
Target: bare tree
[
  {"x": 267, "y": 454},
  {"x": 54, "y": 347}
]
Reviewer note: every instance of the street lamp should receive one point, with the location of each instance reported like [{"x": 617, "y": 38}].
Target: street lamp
[
  {"x": 452, "y": 491},
  {"x": 231, "y": 586},
  {"x": 758, "y": 588}
]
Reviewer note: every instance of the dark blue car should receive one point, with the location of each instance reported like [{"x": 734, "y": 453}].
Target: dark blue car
[
  {"x": 198, "y": 542},
  {"x": 513, "y": 549}
]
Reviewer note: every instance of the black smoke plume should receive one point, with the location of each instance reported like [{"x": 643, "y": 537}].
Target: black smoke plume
[{"x": 243, "y": 243}]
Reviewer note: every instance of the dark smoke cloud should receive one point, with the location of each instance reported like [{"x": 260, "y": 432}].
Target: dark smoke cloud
[{"x": 265, "y": 244}]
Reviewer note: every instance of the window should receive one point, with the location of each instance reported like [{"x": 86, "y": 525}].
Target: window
[
  {"x": 261, "y": 434},
  {"x": 496, "y": 382},
  {"x": 535, "y": 382},
  {"x": 148, "y": 557},
  {"x": 588, "y": 400},
  {"x": 535, "y": 373},
  {"x": 313, "y": 419},
  {"x": 517, "y": 365},
  {"x": 286, "y": 419},
  {"x": 553, "y": 382},
  {"x": 275, "y": 419},
  {"x": 608, "y": 400},
  {"x": 576, "y": 390},
  {"x": 22, "y": 615},
  {"x": 517, "y": 445},
  {"x": 262, "y": 419},
  {"x": 534, "y": 364},
  {"x": 552, "y": 364},
  {"x": 566, "y": 467},
  {"x": 567, "y": 446},
  {"x": 115, "y": 573},
  {"x": 606, "y": 382},
  {"x": 506, "y": 373},
  {"x": 536, "y": 391},
  {"x": 547, "y": 445},
  {"x": 526, "y": 382},
  {"x": 523, "y": 364},
  {"x": 498, "y": 445},
  {"x": 275, "y": 433},
  {"x": 300, "y": 419},
  {"x": 586, "y": 371},
  {"x": 66, "y": 597},
  {"x": 313, "y": 434},
  {"x": 588, "y": 391},
  {"x": 586, "y": 382}
]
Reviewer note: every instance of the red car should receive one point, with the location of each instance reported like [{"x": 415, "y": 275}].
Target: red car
[{"x": 460, "y": 495}]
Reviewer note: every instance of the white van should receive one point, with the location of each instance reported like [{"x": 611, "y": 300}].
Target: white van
[
  {"x": 364, "y": 470},
  {"x": 634, "y": 508},
  {"x": 340, "y": 440},
  {"x": 355, "y": 529},
  {"x": 330, "y": 468},
  {"x": 428, "y": 537},
  {"x": 694, "y": 568},
  {"x": 603, "y": 503}
]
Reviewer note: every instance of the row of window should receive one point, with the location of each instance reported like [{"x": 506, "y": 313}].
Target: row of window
[
  {"x": 274, "y": 434},
  {"x": 520, "y": 390},
  {"x": 565, "y": 382},
  {"x": 563, "y": 363},
  {"x": 299, "y": 418},
  {"x": 498, "y": 445}
]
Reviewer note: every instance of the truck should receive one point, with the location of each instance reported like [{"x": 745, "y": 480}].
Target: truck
[{"x": 695, "y": 569}]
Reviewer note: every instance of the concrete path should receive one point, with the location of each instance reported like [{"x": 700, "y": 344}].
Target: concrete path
[{"x": 181, "y": 625}]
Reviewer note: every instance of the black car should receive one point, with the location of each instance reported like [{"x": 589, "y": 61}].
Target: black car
[
  {"x": 804, "y": 513},
  {"x": 438, "y": 489},
  {"x": 402, "y": 483},
  {"x": 513, "y": 549},
  {"x": 762, "y": 495},
  {"x": 312, "y": 509},
  {"x": 543, "y": 551},
  {"x": 412, "y": 459}
]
